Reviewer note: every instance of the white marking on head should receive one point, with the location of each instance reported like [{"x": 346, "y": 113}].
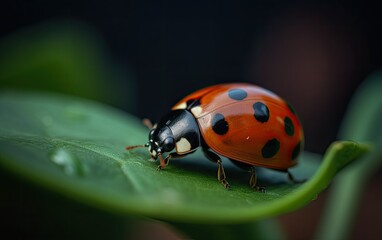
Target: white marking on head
[
  {"x": 183, "y": 146},
  {"x": 197, "y": 111},
  {"x": 183, "y": 105},
  {"x": 153, "y": 153}
]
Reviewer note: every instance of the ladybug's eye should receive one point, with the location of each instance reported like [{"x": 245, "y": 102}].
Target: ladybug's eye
[{"x": 168, "y": 144}]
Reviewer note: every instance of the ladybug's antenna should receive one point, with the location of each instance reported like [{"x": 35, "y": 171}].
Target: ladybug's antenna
[{"x": 128, "y": 148}]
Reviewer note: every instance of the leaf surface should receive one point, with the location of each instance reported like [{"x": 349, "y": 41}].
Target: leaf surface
[{"x": 77, "y": 148}]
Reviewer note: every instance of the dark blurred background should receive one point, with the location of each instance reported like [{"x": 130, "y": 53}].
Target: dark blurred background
[{"x": 312, "y": 53}]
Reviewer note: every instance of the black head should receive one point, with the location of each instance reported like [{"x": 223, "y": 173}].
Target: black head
[
  {"x": 177, "y": 130},
  {"x": 161, "y": 140}
]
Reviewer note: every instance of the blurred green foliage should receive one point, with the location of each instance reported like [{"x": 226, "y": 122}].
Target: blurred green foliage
[
  {"x": 361, "y": 123},
  {"x": 67, "y": 57}
]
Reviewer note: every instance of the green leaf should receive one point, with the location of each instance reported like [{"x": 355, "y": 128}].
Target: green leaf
[{"x": 77, "y": 148}]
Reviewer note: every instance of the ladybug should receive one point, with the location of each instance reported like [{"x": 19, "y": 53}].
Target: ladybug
[{"x": 243, "y": 122}]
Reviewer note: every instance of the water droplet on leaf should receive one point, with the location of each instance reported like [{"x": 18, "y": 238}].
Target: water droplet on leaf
[{"x": 67, "y": 162}]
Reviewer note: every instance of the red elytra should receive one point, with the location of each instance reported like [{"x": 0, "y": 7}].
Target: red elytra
[{"x": 246, "y": 136}]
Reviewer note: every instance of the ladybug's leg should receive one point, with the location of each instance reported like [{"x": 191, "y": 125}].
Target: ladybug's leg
[
  {"x": 164, "y": 161},
  {"x": 292, "y": 179},
  {"x": 216, "y": 159},
  {"x": 147, "y": 122},
  {"x": 252, "y": 170},
  {"x": 253, "y": 180}
]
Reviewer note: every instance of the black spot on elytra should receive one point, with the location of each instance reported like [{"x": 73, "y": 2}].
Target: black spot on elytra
[
  {"x": 261, "y": 112},
  {"x": 271, "y": 148},
  {"x": 288, "y": 126},
  {"x": 192, "y": 103},
  {"x": 296, "y": 150},
  {"x": 237, "y": 94},
  {"x": 219, "y": 124},
  {"x": 291, "y": 108}
]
